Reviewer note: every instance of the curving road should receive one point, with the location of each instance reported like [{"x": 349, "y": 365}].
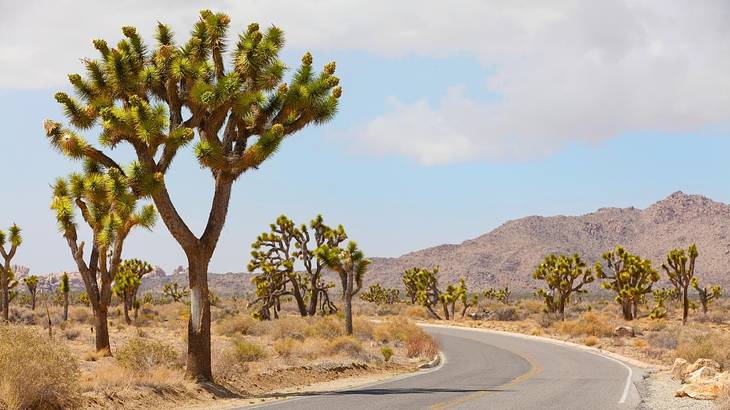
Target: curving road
[{"x": 486, "y": 370}]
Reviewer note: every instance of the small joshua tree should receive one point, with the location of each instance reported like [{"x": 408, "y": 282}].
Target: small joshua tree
[
  {"x": 410, "y": 277},
  {"x": 707, "y": 295},
  {"x": 350, "y": 264},
  {"x": 127, "y": 282},
  {"x": 174, "y": 291},
  {"x": 31, "y": 282},
  {"x": 660, "y": 297},
  {"x": 65, "y": 287},
  {"x": 680, "y": 268},
  {"x": 15, "y": 240},
  {"x": 500, "y": 295},
  {"x": 467, "y": 301},
  {"x": 564, "y": 276},
  {"x": 380, "y": 295},
  {"x": 630, "y": 276},
  {"x": 108, "y": 206}
]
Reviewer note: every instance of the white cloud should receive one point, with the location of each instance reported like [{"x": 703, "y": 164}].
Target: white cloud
[{"x": 566, "y": 71}]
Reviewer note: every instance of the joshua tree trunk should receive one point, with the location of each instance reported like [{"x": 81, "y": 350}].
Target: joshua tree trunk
[
  {"x": 101, "y": 331},
  {"x": 32, "y": 301},
  {"x": 627, "y": 311},
  {"x": 348, "y": 302},
  {"x": 561, "y": 307},
  {"x": 685, "y": 306},
  {"x": 5, "y": 298},
  {"x": 127, "y": 319},
  {"x": 65, "y": 306},
  {"x": 198, "y": 361}
]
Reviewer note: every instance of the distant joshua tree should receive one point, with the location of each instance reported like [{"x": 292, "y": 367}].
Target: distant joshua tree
[
  {"x": 65, "y": 288},
  {"x": 680, "y": 267},
  {"x": 174, "y": 291},
  {"x": 127, "y": 282},
  {"x": 630, "y": 276},
  {"x": 15, "y": 240},
  {"x": 707, "y": 295},
  {"x": 564, "y": 276},
  {"x": 31, "y": 282},
  {"x": 350, "y": 263}
]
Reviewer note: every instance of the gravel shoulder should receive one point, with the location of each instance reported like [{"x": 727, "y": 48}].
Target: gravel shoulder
[{"x": 658, "y": 394}]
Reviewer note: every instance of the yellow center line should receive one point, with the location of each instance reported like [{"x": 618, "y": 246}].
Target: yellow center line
[{"x": 535, "y": 369}]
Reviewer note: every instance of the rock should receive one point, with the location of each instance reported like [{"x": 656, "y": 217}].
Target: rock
[
  {"x": 705, "y": 390},
  {"x": 700, "y": 375},
  {"x": 623, "y": 331},
  {"x": 699, "y": 363},
  {"x": 679, "y": 369}
]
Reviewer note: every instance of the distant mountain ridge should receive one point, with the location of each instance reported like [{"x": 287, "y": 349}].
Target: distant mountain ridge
[{"x": 508, "y": 254}]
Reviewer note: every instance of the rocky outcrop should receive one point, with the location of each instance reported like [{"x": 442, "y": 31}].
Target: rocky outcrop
[{"x": 701, "y": 380}]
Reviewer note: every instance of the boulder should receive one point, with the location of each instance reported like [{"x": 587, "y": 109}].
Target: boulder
[
  {"x": 699, "y": 363},
  {"x": 623, "y": 331},
  {"x": 704, "y": 390},
  {"x": 679, "y": 369},
  {"x": 700, "y": 375}
]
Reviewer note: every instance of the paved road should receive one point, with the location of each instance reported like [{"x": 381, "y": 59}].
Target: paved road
[{"x": 493, "y": 371}]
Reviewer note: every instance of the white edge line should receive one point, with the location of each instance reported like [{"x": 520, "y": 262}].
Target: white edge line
[{"x": 563, "y": 343}]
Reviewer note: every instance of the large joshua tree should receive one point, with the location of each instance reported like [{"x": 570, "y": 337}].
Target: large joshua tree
[
  {"x": 127, "y": 282},
  {"x": 159, "y": 99},
  {"x": 350, "y": 264},
  {"x": 109, "y": 208},
  {"x": 15, "y": 239},
  {"x": 680, "y": 268}
]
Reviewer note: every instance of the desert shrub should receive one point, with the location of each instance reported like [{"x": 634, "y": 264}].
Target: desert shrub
[
  {"x": 545, "y": 320},
  {"x": 71, "y": 334},
  {"x": 387, "y": 353},
  {"x": 590, "y": 340},
  {"x": 711, "y": 345},
  {"x": 589, "y": 324},
  {"x": 81, "y": 314},
  {"x": 245, "y": 351},
  {"x": 362, "y": 328},
  {"x": 400, "y": 329},
  {"x": 507, "y": 314},
  {"x": 416, "y": 312},
  {"x": 22, "y": 315},
  {"x": 287, "y": 326},
  {"x": 420, "y": 345},
  {"x": 344, "y": 344},
  {"x": 531, "y": 306},
  {"x": 36, "y": 372},
  {"x": 311, "y": 348},
  {"x": 141, "y": 355},
  {"x": 381, "y": 333},
  {"x": 287, "y": 346},
  {"x": 236, "y": 325},
  {"x": 663, "y": 339},
  {"x": 327, "y": 327}
]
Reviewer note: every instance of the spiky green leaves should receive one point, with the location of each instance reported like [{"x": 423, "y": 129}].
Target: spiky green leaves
[
  {"x": 129, "y": 277},
  {"x": 65, "y": 285},
  {"x": 563, "y": 275}
]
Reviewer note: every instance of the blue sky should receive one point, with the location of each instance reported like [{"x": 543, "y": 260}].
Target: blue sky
[{"x": 435, "y": 141}]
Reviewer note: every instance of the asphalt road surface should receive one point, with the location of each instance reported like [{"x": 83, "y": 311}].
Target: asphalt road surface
[{"x": 492, "y": 371}]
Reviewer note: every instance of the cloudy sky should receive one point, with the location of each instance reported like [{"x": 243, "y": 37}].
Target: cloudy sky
[{"x": 456, "y": 116}]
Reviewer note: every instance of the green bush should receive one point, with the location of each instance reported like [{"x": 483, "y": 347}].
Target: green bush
[
  {"x": 245, "y": 351},
  {"x": 387, "y": 353}
]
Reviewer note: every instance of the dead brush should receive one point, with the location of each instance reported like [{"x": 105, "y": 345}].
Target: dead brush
[{"x": 36, "y": 372}]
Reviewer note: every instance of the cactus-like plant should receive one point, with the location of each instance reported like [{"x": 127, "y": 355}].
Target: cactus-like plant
[
  {"x": 31, "y": 282},
  {"x": 274, "y": 255},
  {"x": 158, "y": 99},
  {"x": 706, "y": 294},
  {"x": 563, "y": 275},
  {"x": 351, "y": 265},
  {"x": 501, "y": 295},
  {"x": 175, "y": 292},
  {"x": 381, "y": 295},
  {"x": 630, "y": 276},
  {"x": 680, "y": 268},
  {"x": 65, "y": 287},
  {"x": 15, "y": 239},
  {"x": 108, "y": 206},
  {"x": 660, "y": 296},
  {"x": 127, "y": 281}
]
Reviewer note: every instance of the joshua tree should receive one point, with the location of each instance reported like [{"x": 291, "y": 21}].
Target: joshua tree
[
  {"x": 707, "y": 295},
  {"x": 660, "y": 298},
  {"x": 174, "y": 291},
  {"x": 15, "y": 239},
  {"x": 127, "y": 281},
  {"x": 423, "y": 288},
  {"x": 410, "y": 277},
  {"x": 563, "y": 275},
  {"x": 380, "y": 295},
  {"x": 351, "y": 265},
  {"x": 31, "y": 282},
  {"x": 157, "y": 99},
  {"x": 500, "y": 295},
  {"x": 65, "y": 288},
  {"x": 680, "y": 267},
  {"x": 463, "y": 296},
  {"x": 630, "y": 276},
  {"x": 109, "y": 208},
  {"x": 274, "y": 255}
]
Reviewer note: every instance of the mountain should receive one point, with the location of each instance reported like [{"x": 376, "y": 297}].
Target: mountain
[{"x": 509, "y": 254}]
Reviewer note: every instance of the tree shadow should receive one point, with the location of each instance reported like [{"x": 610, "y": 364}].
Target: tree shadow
[{"x": 380, "y": 392}]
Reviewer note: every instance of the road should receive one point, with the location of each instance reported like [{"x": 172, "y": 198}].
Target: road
[{"x": 484, "y": 370}]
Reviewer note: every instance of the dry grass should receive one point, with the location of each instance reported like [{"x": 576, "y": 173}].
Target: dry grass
[
  {"x": 236, "y": 325},
  {"x": 589, "y": 324},
  {"x": 590, "y": 340},
  {"x": 36, "y": 372},
  {"x": 142, "y": 355},
  {"x": 347, "y": 345},
  {"x": 711, "y": 345},
  {"x": 245, "y": 351}
]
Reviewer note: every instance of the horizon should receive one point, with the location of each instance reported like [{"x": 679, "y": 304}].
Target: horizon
[{"x": 405, "y": 166}]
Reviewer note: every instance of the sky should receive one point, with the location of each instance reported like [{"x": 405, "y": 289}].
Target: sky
[{"x": 455, "y": 118}]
